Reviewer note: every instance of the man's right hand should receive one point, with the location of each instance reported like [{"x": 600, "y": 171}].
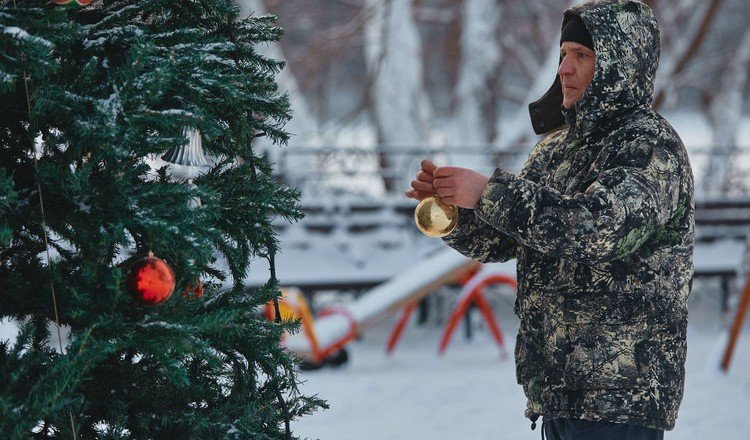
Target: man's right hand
[{"x": 421, "y": 188}]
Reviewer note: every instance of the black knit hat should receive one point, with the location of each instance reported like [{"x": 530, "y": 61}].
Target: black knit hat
[{"x": 575, "y": 31}]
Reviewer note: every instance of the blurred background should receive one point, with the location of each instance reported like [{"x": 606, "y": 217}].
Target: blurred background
[
  {"x": 394, "y": 76},
  {"x": 378, "y": 85}
]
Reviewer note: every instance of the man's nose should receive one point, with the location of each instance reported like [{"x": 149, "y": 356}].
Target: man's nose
[{"x": 566, "y": 67}]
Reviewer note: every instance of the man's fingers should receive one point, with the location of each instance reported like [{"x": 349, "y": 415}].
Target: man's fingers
[
  {"x": 444, "y": 171},
  {"x": 418, "y": 195},
  {"x": 414, "y": 194},
  {"x": 442, "y": 183},
  {"x": 428, "y": 166},
  {"x": 421, "y": 186},
  {"x": 446, "y": 192},
  {"x": 424, "y": 177}
]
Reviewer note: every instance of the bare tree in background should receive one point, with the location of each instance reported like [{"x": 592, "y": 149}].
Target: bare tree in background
[
  {"x": 725, "y": 113},
  {"x": 685, "y": 25},
  {"x": 398, "y": 101},
  {"x": 389, "y": 74},
  {"x": 302, "y": 126},
  {"x": 473, "y": 123}
]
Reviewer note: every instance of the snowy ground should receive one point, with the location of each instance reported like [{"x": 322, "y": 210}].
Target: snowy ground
[{"x": 471, "y": 393}]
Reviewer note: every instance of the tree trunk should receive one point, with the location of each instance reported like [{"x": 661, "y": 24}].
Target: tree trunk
[
  {"x": 725, "y": 114},
  {"x": 685, "y": 49},
  {"x": 474, "y": 115},
  {"x": 398, "y": 101}
]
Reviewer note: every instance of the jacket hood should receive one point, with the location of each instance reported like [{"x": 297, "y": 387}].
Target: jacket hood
[{"x": 626, "y": 42}]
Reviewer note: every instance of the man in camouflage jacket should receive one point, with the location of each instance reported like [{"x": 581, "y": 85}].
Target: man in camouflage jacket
[{"x": 600, "y": 220}]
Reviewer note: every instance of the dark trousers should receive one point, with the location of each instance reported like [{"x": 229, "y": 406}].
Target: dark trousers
[{"x": 575, "y": 429}]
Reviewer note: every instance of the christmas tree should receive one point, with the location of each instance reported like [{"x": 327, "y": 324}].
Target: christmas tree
[{"x": 90, "y": 99}]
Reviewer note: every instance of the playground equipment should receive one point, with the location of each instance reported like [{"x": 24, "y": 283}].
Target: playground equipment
[
  {"x": 326, "y": 335},
  {"x": 472, "y": 293},
  {"x": 734, "y": 331},
  {"x": 293, "y": 305}
]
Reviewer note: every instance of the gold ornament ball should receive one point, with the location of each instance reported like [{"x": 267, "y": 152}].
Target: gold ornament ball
[{"x": 435, "y": 218}]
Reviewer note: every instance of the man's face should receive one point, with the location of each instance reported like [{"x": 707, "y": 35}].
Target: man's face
[{"x": 576, "y": 71}]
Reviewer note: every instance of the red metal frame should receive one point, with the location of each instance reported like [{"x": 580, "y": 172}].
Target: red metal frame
[
  {"x": 734, "y": 332},
  {"x": 476, "y": 295},
  {"x": 399, "y": 328},
  {"x": 319, "y": 355}
]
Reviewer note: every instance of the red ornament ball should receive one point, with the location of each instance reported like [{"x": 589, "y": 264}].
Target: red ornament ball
[
  {"x": 150, "y": 281},
  {"x": 193, "y": 290}
]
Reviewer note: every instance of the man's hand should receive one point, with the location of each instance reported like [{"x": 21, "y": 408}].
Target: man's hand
[
  {"x": 459, "y": 186},
  {"x": 421, "y": 188},
  {"x": 456, "y": 186}
]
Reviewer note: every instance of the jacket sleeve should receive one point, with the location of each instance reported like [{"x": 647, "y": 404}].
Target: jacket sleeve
[
  {"x": 477, "y": 239},
  {"x": 612, "y": 218}
]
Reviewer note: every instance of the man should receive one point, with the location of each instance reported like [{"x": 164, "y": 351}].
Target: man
[{"x": 600, "y": 220}]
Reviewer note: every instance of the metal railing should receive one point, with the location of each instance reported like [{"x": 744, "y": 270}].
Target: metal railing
[
  {"x": 387, "y": 172},
  {"x": 377, "y": 173},
  {"x": 346, "y": 197}
]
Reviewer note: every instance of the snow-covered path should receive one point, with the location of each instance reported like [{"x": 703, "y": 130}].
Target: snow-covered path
[{"x": 471, "y": 393}]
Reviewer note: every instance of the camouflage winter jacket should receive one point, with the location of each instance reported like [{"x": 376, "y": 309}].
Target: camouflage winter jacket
[{"x": 600, "y": 220}]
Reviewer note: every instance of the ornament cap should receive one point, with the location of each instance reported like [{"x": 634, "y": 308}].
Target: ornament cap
[
  {"x": 187, "y": 160},
  {"x": 190, "y": 153}
]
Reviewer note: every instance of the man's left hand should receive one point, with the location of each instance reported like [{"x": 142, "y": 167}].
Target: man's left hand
[{"x": 459, "y": 186}]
